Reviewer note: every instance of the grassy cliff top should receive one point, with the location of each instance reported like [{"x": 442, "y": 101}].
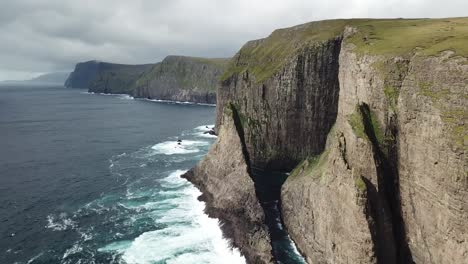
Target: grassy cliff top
[
  {"x": 403, "y": 36},
  {"x": 186, "y": 72},
  {"x": 393, "y": 37},
  {"x": 222, "y": 62}
]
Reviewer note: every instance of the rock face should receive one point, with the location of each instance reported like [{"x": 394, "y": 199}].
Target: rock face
[
  {"x": 83, "y": 75},
  {"x": 117, "y": 78},
  {"x": 287, "y": 117},
  {"x": 229, "y": 193},
  {"x": 371, "y": 115},
  {"x": 176, "y": 78},
  {"x": 103, "y": 77},
  {"x": 179, "y": 78}
]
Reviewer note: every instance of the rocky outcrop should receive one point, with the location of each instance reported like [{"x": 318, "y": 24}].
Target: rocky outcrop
[
  {"x": 176, "y": 78},
  {"x": 229, "y": 193},
  {"x": 371, "y": 116},
  {"x": 180, "y": 78}
]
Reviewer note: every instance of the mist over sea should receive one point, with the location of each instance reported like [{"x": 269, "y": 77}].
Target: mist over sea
[{"x": 95, "y": 179}]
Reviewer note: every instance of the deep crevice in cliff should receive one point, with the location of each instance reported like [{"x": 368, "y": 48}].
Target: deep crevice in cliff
[
  {"x": 268, "y": 192},
  {"x": 388, "y": 229}
]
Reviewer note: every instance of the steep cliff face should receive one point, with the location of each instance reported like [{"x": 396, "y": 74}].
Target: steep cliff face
[
  {"x": 398, "y": 150},
  {"x": 117, "y": 78},
  {"x": 83, "y": 75},
  {"x": 287, "y": 117},
  {"x": 176, "y": 78},
  {"x": 371, "y": 113},
  {"x": 229, "y": 192},
  {"x": 103, "y": 77},
  {"x": 180, "y": 78}
]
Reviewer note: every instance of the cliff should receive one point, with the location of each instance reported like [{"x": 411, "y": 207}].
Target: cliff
[
  {"x": 368, "y": 116},
  {"x": 176, "y": 78},
  {"x": 53, "y": 77},
  {"x": 104, "y": 77},
  {"x": 230, "y": 196},
  {"x": 179, "y": 78}
]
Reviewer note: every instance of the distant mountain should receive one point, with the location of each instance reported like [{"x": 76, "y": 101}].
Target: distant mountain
[{"x": 48, "y": 78}]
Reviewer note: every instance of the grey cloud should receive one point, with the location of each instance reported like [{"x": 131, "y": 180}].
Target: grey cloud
[{"x": 52, "y": 35}]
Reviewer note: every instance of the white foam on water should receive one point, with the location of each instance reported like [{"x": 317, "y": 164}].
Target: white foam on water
[
  {"x": 174, "y": 180},
  {"x": 190, "y": 236},
  {"x": 73, "y": 250},
  {"x": 86, "y": 235},
  {"x": 126, "y": 97},
  {"x": 177, "y": 102},
  {"x": 205, "y": 135},
  {"x": 118, "y": 247},
  {"x": 121, "y": 96},
  {"x": 173, "y": 147},
  {"x": 34, "y": 258},
  {"x": 203, "y": 128},
  {"x": 61, "y": 223}
]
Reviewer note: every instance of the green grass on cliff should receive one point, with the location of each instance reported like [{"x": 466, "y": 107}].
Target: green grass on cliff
[
  {"x": 360, "y": 184},
  {"x": 265, "y": 57},
  {"x": 404, "y": 36},
  {"x": 357, "y": 119},
  {"x": 179, "y": 68},
  {"x": 393, "y": 37},
  {"x": 222, "y": 62},
  {"x": 452, "y": 115},
  {"x": 312, "y": 166}
]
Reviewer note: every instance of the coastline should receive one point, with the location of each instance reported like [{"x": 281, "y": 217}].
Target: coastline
[{"x": 153, "y": 100}]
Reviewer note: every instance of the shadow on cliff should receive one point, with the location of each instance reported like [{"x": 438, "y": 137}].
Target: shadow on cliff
[
  {"x": 384, "y": 203},
  {"x": 268, "y": 191}
]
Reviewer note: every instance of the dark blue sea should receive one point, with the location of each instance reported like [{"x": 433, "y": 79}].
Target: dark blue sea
[{"x": 90, "y": 178}]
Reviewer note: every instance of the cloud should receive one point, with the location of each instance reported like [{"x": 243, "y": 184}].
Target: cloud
[{"x": 52, "y": 35}]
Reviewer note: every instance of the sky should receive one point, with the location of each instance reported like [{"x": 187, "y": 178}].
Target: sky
[{"x": 39, "y": 36}]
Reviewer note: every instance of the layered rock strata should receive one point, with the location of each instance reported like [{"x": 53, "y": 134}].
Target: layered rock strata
[{"x": 371, "y": 115}]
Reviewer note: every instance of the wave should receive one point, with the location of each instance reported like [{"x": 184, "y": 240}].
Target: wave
[
  {"x": 190, "y": 236},
  {"x": 205, "y": 135},
  {"x": 71, "y": 251},
  {"x": 122, "y": 96},
  {"x": 174, "y": 147},
  {"x": 155, "y": 218},
  {"x": 201, "y": 131},
  {"x": 176, "y": 102},
  {"x": 34, "y": 258},
  {"x": 126, "y": 96},
  {"x": 60, "y": 223}
]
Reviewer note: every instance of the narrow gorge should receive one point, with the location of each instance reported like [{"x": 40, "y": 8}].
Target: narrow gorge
[{"x": 364, "y": 121}]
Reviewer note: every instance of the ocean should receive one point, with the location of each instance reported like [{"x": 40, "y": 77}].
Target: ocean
[{"x": 88, "y": 178}]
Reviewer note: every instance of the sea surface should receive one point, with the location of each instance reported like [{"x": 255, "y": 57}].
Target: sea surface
[{"x": 88, "y": 178}]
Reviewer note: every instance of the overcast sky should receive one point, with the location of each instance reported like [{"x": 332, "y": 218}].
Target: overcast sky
[{"x": 40, "y": 36}]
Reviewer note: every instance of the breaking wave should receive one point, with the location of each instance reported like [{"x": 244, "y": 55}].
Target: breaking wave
[{"x": 154, "y": 218}]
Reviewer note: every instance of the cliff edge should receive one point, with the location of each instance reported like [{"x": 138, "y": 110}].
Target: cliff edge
[
  {"x": 180, "y": 78},
  {"x": 176, "y": 78},
  {"x": 368, "y": 116}
]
